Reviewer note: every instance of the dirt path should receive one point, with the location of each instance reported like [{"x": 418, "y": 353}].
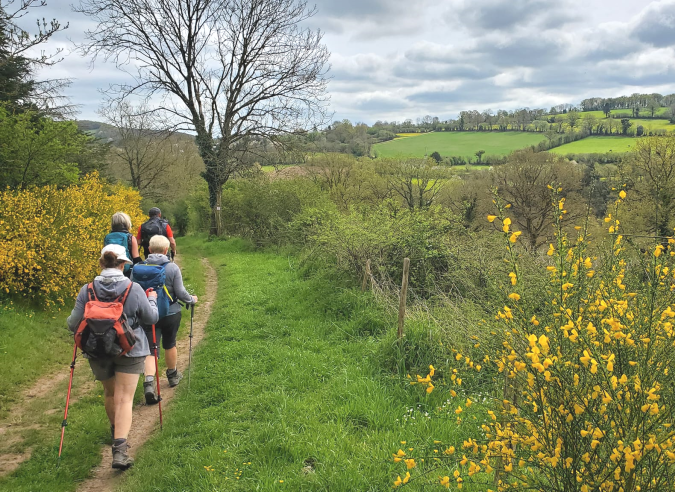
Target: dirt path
[{"x": 146, "y": 418}]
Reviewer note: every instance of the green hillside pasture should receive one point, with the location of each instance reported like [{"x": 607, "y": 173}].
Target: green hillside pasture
[
  {"x": 457, "y": 144},
  {"x": 597, "y": 145},
  {"x": 652, "y": 125}
]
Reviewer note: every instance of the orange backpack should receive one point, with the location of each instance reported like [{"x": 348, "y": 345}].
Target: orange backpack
[{"x": 104, "y": 330}]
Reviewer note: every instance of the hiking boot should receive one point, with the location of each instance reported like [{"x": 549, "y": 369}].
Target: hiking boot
[
  {"x": 150, "y": 390},
  {"x": 174, "y": 376},
  {"x": 121, "y": 460}
]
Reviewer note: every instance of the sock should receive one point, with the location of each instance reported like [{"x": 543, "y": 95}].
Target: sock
[
  {"x": 149, "y": 379},
  {"x": 172, "y": 371},
  {"x": 119, "y": 442}
]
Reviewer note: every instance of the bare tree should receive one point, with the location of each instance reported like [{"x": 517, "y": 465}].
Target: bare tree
[
  {"x": 18, "y": 61},
  {"x": 416, "y": 181},
  {"x": 142, "y": 135},
  {"x": 20, "y": 42},
  {"x": 229, "y": 70},
  {"x": 523, "y": 181}
]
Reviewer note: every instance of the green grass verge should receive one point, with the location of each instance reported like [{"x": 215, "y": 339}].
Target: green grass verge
[
  {"x": 593, "y": 145},
  {"x": 35, "y": 344},
  {"x": 32, "y": 343},
  {"x": 288, "y": 391},
  {"x": 457, "y": 144}
]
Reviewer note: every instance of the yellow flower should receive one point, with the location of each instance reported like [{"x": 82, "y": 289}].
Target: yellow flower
[
  {"x": 491, "y": 218},
  {"x": 445, "y": 481},
  {"x": 551, "y": 250},
  {"x": 513, "y": 296},
  {"x": 514, "y": 237},
  {"x": 658, "y": 250},
  {"x": 622, "y": 195},
  {"x": 410, "y": 463}
]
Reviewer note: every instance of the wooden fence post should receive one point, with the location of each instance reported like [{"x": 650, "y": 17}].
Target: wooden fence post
[
  {"x": 404, "y": 296},
  {"x": 366, "y": 277}
]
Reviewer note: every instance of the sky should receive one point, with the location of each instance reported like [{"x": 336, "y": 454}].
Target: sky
[{"x": 398, "y": 59}]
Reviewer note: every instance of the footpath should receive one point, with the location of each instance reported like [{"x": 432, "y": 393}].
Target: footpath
[{"x": 287, "y": 393}]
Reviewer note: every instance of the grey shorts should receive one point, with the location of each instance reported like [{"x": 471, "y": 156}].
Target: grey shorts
[{"x": 104, "y": 369}]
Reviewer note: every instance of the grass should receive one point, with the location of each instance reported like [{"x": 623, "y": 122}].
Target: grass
[
  {"x": 652, "y": 125},
  {"x": 32, "y": 343},
  {"x": 591, "y": 145},
  {"x": 457, "y": 144},
  {"x": 36, "y": 344},
  {"x": 287, "y": 390}
]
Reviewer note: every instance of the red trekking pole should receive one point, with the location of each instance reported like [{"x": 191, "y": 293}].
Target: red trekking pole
[
  {"x": 159, "y": 395},
  {"x": 70, "y": 386}
]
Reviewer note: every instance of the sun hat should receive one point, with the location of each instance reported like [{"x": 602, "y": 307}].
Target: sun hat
[{"x": 119, "y": 251}]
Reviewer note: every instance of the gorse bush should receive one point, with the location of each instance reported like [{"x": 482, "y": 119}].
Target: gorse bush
[
  {"x": 51, "y": 238},
  {"x": 588, "y": 378}
]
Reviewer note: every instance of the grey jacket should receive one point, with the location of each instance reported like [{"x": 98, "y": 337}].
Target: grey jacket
[
  {"x": 174, "y": 281},
  {"x": 138, "y": 308}
]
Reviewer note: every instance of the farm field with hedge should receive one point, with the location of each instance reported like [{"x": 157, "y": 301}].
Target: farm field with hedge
[
  {"x": 593, "y": 145},
  {"x": 464, "y": 144}
]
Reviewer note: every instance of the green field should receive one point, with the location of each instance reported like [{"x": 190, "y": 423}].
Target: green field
[
  {"x": 592, "y": 145},
  {"x": 457, "y": 144},
  {"x": 651, "y": 125}
]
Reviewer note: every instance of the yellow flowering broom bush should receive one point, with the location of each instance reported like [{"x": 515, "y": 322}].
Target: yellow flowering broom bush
[
  {"x": 51, "y": 238},
  {"x": 588, "y": 378}
]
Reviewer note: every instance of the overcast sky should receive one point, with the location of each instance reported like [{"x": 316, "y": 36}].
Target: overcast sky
[{"x": 397, "y": 59}]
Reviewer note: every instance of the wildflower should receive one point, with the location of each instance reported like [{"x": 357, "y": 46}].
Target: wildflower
[
  {"x": 622, "y": 195},
  {"x": 513, "y": 296},
  {"x": 514, "y": 237},
  {"x": 513, "y": 278},
  {"x": 551, "y": 250},
  {"x": 410, "y": 463},
  {"x": 491, "y": 218},
  {"x": 445, "y": 481}
]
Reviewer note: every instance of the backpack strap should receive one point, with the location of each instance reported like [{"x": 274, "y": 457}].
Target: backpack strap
[
  {"x": 91, "y": 293},
  {"x": 123, "y": 298}
]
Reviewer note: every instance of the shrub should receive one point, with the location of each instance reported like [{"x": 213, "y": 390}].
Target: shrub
[
  {"x": 51, "y": 238},
  {"x": 589, "y": 387},
  {"x": 261, "y": 209}
]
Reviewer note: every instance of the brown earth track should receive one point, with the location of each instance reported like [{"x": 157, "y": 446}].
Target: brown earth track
[{"x": 146, "y": 418}]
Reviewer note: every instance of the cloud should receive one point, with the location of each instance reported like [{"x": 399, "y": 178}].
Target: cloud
[
  {"x": 506, "y": 15},
  {"x": 656, "y": 24}
]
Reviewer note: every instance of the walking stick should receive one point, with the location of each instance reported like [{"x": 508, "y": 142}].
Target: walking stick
[
  {"x": 159, "y": 395},
  {"x": 65, "y": 415},
  {"x": 192, "y": 316}
]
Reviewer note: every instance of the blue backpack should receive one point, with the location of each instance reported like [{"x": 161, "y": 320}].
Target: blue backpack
[
  {"x": 123, "y": 239},
  {"x": 154, "y": 276}
]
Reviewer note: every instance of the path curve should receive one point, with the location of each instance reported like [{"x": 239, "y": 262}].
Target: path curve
[{"x": 146, "y": 418}]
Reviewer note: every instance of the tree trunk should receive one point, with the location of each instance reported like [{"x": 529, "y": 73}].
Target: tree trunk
[{"x": 215, "y": 199}]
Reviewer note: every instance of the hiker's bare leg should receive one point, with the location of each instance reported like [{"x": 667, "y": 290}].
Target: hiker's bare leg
[
  {"x": 125, "y": 387},
  {"x": 150, "y": 365},
  {"x": 171, "y": 358},
  {"x": 109, "y": 396}
]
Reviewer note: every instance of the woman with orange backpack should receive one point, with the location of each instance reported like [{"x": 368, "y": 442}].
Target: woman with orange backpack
[{"x": 107, "y": 321}]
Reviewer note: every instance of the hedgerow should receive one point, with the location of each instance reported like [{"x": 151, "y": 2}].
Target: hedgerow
[{"x": 51, "y": 238}]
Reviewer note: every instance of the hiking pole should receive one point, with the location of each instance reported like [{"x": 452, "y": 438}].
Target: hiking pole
[
  {"x": 70, "y": 386},
  {"x": 192, "y": 317},
  {"x": 159, "y": 395}
]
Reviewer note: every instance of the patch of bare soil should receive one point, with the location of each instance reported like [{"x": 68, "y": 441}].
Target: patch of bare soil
[{"x": 146, "y": 418}]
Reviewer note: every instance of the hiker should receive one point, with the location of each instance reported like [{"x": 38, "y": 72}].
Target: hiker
[
  {"x": 153, "y": 226},
  {"x": 118, "y": 374},
  {"x": 166, "y": 328},
  {"x": 119, "y": 234}
]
